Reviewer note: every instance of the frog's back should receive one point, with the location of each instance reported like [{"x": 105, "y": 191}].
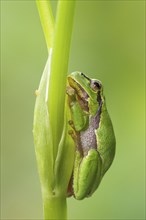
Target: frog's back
[{"x": 106, "y": 140}]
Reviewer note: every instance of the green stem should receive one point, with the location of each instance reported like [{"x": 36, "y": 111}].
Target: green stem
[
  {"x": 59, "y": 68},
  {"x": 47, "y": 20},
  {"x": 55, "y": 208},
  {"x": 59, "y": 41}
]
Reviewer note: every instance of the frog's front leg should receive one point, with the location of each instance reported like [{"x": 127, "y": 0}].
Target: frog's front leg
[
  {"x": 77, "y": 121},
  {"x": 79, "y": 118}
]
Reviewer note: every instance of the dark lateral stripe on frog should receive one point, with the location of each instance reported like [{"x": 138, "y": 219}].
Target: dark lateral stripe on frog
[
  {"x": 82, "y": 74},
  {"x": 97, "y": 116}
]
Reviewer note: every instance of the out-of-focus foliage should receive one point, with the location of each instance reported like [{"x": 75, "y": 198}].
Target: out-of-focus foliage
[{"x": 108, "y": 44}]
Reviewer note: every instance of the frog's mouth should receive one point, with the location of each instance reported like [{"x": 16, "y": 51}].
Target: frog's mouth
[{"x": 80, "y": 93}]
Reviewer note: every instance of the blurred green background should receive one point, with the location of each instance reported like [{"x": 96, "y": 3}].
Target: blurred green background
[{"x": 108, "y": 44}]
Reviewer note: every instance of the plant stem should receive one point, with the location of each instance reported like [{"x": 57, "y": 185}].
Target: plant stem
[
  {"x": 47, "y": 20},
  {"x": 53, "y": 116},
  {"x": 59, "y": 68},
  {"x": 55, "y": 208}
]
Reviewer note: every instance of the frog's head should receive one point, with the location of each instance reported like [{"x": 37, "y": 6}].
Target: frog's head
[{"x": 87, "y": 89}]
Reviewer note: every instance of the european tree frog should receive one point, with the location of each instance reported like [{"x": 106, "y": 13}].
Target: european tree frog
[{"x": 92, "y": 132}]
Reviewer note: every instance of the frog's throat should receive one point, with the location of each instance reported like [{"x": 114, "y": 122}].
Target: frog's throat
[
  {"x": 79, "y": 90},
  {"x": 81, "y": 95}
]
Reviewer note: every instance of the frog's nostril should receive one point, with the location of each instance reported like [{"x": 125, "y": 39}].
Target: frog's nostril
[{"x": 82, "y": 74}]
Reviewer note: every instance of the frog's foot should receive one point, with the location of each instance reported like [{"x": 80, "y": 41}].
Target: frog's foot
[
  {"x": 70, "y": 91},
  {"x": 73, "y": 135},
  {"x": 76, "y": 138},
  {"x": 70, "y": 122}
]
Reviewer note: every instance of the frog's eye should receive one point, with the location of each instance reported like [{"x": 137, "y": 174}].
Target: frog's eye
[{"x": 95, "y": 85}]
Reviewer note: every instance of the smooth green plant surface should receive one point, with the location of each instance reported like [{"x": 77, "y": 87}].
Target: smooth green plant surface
[
  {"x": 47, "y": 21},
  {"x": 59, "y": 68},
  {"x": 54, "y": 148}
]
